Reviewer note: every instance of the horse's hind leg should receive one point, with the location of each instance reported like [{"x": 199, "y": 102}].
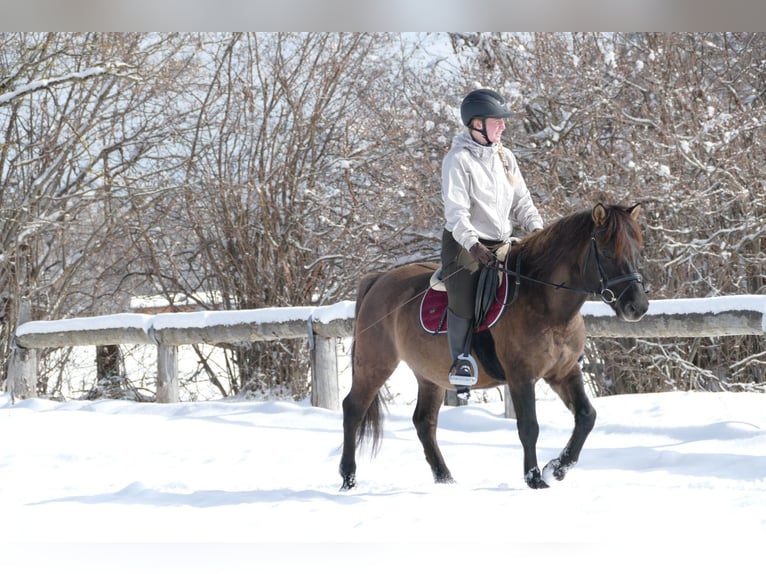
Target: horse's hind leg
[
  {"x": 425, "y": 418},
  {"x": 362, "y": 411},
  {"x": 572, "y": 392}
]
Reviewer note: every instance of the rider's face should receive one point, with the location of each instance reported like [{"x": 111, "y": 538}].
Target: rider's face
[{"x": 495, "y": 129}]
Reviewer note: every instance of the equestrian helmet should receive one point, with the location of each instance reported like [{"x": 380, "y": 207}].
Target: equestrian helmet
[{"x": 483, "y": 103}]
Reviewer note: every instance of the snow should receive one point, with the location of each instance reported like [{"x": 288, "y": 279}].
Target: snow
[
  {"x": 329, "y": 313},
  {"x": 137, "y": 321},
  {"x": 714, "y": 305},
  {"x": 200, "y": 319},
  {"x": 34, "y": 86},
  {"x": 180, "y": 480},
  {"x": 670, "y": 481},
  {"x": 192, "y": 320}
]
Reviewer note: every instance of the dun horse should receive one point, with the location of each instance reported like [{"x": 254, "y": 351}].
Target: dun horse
[{"x": 541, "y": 335}]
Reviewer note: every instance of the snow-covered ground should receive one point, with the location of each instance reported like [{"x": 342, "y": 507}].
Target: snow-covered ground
[{"x": 663, "y": 481}]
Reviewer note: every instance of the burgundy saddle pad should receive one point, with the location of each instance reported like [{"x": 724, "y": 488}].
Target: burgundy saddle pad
[{"x": 433, "y": 309}]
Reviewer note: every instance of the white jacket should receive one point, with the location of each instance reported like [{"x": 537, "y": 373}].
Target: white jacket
[{"x": 479, "y": 200}]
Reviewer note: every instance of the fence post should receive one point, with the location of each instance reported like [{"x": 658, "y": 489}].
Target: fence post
[
  {"x": 510, "y": 412},
  {"x": 324, "y": 373},
  {"x": 167, "y": 373},
  {"x": 22, "y": 369},
  {"x": 451, "y": 400}
]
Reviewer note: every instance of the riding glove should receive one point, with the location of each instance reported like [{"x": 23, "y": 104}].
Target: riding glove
[{"x": 481, "y": 253}]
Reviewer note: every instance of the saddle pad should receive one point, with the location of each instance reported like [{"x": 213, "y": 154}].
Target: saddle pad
[{"x": 433, "y": 309}]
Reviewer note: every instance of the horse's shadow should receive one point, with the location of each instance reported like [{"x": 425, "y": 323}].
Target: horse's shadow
[{"x": 138, "y": 494}]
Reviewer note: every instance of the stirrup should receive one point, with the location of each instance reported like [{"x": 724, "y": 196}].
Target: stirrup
[{"x": 463, "y": 379}]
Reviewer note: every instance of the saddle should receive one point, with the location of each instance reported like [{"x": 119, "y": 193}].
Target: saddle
[{"x": 491, "y": 299}]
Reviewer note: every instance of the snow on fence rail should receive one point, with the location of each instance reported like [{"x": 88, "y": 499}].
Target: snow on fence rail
[{"x": 323, "y": 326}]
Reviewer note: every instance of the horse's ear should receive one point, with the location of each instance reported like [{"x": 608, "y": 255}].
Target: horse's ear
[
  {"x": 599, "y": 215},
  {"x": 635, "y": 211}
]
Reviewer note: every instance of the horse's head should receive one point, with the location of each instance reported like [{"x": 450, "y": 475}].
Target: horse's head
[{"x": 616, "y": 245}]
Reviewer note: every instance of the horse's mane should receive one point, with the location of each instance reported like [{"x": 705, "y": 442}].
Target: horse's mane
[{"x": 542, "y": 251}]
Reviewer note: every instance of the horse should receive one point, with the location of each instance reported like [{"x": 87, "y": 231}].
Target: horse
[{"x": 540, "y": 335}]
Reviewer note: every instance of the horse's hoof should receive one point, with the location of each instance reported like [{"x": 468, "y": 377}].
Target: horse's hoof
[
  {"x": 444, "y": 479},
  {"x": 534, "y": 479},
  {"x": 556, "y": 469},
  {"x": 349, "y": 482}
]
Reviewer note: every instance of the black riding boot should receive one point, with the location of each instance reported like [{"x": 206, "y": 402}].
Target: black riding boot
[{"x": 463, "y": 372}]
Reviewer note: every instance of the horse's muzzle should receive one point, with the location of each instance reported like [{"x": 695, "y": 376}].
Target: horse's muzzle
[{"x": 633, "y": 302}]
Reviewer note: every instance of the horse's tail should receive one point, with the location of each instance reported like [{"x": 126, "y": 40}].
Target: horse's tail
[
  {"x": 365, "y": 284},
  {"x": 371, "y": 426}
]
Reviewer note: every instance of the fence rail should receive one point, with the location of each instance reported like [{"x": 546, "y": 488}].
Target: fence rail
[{"x": 323, "y": 326}]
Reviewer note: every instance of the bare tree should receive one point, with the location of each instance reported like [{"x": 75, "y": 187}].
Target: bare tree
[
  {"x": 286, "y": 162},
  {"x": 81, "y": 116}
]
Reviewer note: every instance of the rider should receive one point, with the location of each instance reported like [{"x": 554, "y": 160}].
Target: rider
[{"x": 483, "y": 192}]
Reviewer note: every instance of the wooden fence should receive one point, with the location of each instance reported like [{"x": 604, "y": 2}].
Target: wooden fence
[{"x": 323, "y": 326}]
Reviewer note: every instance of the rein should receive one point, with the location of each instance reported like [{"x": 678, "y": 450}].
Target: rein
[
  {"x": 605, "y": 283},
  {"x": 606, "y": 293}
]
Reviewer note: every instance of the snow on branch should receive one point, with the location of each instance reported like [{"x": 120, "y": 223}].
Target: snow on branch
[{"x": 108, "y": 69}]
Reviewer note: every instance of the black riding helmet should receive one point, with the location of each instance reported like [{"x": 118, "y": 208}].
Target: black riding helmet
[{"x": 483, "y": 103}]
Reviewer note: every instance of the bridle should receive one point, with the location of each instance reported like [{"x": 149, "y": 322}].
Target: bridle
[{"x": 605, "y": 292}]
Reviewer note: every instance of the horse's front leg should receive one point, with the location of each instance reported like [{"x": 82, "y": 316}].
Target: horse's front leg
[
  {"x": 523, "y": 397},
  {"x": 572, "y": 391}
]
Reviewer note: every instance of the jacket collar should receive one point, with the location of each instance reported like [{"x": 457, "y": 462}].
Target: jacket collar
[{"x": 476, "y": 149}]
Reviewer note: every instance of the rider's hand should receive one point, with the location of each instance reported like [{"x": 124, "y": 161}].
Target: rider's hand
[{"x": 481, "y": 253}]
